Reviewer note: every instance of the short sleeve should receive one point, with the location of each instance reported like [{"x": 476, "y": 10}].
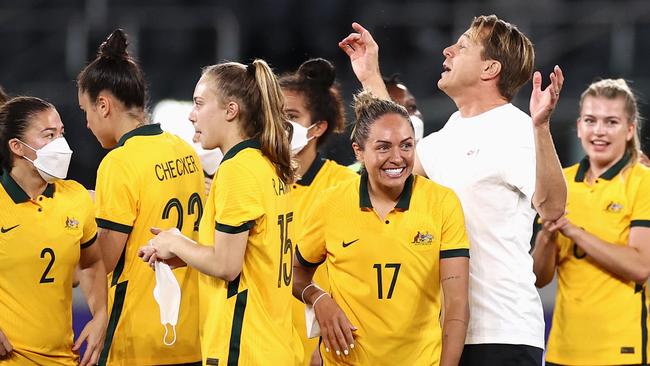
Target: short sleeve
[
  {"x": 116, "y": 195},
  {"x": 453, "y": 240},
  {"x": 238, "y": 198},
  {"x": 89, "y": 225},
  {"x": 519, "y": 170},
  {"x": 311, "y": 246},
  {"x": 426, "y": 151},
  {"x": 641, "y": 206}
]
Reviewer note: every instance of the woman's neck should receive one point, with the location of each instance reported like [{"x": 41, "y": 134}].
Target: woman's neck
[
  {"x": 306, "y": 158},
  {"x": 383, "y": 201},
  {"x": 28, "y": 179}
]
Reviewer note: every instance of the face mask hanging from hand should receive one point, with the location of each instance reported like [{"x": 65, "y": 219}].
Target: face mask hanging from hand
[
  {"x": 299, "y": 138},
  {"x": 52, "y": 160},
  {"x": 168, "y": 296}
]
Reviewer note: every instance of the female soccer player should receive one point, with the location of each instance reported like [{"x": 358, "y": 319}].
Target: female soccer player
[
  {"x": 48, "y": 227},
  {"x": 245, "y": 248},
  {"x": 149, "y": 178},
  {"x": 388, "y": 240},
  {"x": 313, "y": 102},
  {"x": 601, "y": 247}
]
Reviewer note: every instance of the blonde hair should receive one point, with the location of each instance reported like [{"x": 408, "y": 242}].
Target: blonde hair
[
  {"x": 505, "y": 43},
  {"x": 255, "y": 88},
  {"x": 614, "y": 89}
]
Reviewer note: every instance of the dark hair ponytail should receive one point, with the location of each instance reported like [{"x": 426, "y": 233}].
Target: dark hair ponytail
[
  {"x": 114, "y": 70},
  {"x": 315, "y": 79}
]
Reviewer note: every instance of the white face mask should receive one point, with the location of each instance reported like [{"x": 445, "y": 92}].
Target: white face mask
[
  {"x": 52, "y": 160},
  {"x": 168, "y": 296},
  {"x": 299, "y": 139},
  {"x": 418, "y": 126}
]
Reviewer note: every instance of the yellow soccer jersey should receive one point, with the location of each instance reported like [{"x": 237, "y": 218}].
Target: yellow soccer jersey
[
  {"x": 152, "y": 179},
  {"x": 248, "y": 321},
  {"x": 321, "y": 175},
  {"x": 600, "y": 319},
  {"x": 40, "y": 242},
  {"x": 385, "y": 274}
]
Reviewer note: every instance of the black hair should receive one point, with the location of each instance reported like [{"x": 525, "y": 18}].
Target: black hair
[
  {"x": 315, "y": 79},
  {"x": 15, "y": 117},
  {"x": 116, "y": 71}
]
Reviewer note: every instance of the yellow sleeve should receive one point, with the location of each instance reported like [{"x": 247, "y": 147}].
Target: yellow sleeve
[
  {"x": 238, "y": 198},
  {"x": 310, "y": 248},
  {"x": 116, "y": 197},
  {"x": 89, "y": 225},
  {"x": 453, "y": 241},
  {"x": 641, "y": 205}
]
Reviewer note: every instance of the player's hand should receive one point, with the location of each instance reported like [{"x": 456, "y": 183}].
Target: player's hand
[
  {"x": 5, "y": 346},
  {"x": 164, "y": 241},
  {"x": 148, "y": 254},
  {"x": 543, "y": 102},
  {"x": 335, "y": 328},
  {"x": 208, "y": 184},
  {"x": 93, "y": 334},
  {"x": 363, "y": 52}
]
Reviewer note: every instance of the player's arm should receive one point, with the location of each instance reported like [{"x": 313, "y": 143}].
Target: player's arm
[
  {"x": 550, "y": 194},
  {"x": 630, "y": 262},
  {"x": 93, "y": 279},
  {"x": 545, "y": 254},
  {"x": 454, "y": 277},
  {"x": 111, "y": 245},
  {"x": 224, "y": 260}
]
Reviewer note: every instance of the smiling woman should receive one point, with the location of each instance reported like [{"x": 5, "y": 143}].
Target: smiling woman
[
  {"x": 408, "y": 239},
  {"x": 599, "y": 249}
]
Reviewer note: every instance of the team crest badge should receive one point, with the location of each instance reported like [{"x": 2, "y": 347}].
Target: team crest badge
[
  {"x": 614, "y": 207},
  {"x": 422, "y": 238},
  {"x": 71, "y": 223}
]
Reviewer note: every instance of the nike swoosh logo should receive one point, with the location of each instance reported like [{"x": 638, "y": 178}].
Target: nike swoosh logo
[
  {"x": 345, "y": 245},
  {"x": 3, "y": 230}
]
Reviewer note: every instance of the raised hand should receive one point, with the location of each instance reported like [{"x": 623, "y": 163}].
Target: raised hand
[
  {"x": 543, "y": 102},
  {"x": 364, "y": 57}
]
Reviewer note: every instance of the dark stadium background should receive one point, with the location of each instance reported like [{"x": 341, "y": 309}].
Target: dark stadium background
[{"x": 45, "y": 43}]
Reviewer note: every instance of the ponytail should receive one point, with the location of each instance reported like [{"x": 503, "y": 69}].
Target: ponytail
[
  {"x": 274, "y": 138},
  {"x": 255, "y": 88}
]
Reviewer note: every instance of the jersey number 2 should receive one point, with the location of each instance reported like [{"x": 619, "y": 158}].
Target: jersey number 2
[
  {"x": 284, "y": 275},
  {"x": 44, "y": 278}
]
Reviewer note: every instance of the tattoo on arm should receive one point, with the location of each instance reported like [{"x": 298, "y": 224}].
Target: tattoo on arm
[{"x": 452, "y": 277}]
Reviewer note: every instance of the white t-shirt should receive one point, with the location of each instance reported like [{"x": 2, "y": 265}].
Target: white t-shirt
[{"x": 489, "y": 161}]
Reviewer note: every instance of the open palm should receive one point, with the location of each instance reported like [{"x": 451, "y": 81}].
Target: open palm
[{"x": 543, "y": 102}]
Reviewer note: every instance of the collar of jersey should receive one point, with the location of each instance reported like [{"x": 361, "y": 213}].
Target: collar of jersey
[
  {"x": 404, "y": 199},
  {"x": 239, "y": 147},
  {"x": 146, "y": 130},
  {"x": 313, "y": 170},
  {"x": 16, "y": 193},
  {"x": 608, "y": 175}
]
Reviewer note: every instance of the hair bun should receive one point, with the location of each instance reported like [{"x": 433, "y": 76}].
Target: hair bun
[
  {"x": 318, "y": 71},
  {"x": 115, "y": 46}
]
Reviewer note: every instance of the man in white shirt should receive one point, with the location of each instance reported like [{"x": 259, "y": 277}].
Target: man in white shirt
[{"x": 502, "y": 165}]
